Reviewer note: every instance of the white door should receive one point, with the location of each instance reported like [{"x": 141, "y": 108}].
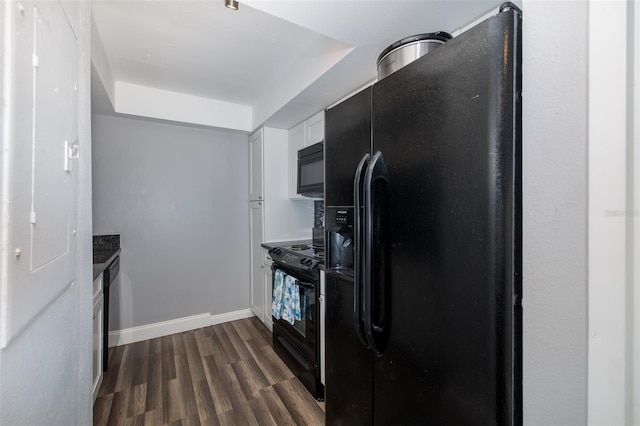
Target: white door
[
  {"x": 42, "y": 131},
  {"x": 267, "y": 279},
  {"x": 257, "y": 282},
  {"x": 98, "y": 330}
]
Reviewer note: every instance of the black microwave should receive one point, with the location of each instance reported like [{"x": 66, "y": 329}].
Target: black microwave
[{"x": 311, "y": 171}]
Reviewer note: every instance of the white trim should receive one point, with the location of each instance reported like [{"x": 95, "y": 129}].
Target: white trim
[
  {"x": 178, "y": 325},
  {"x": 608, "y": 213},
  {"x": 231, "y": 316},
  {"x": 7, "y": 125},
  {"x": 635, "y": 129}
]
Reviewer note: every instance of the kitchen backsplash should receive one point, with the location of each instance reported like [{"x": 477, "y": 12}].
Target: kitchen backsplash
[
  {"x": 318, "y": 213},
  {"x": 106, "y": 242}
]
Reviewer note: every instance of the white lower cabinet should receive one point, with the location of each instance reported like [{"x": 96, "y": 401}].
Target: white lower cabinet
[
  {"x": 98, "y": 322},
  {"x": 257, "y": 292},
  {"x": 268, "y": 289}
]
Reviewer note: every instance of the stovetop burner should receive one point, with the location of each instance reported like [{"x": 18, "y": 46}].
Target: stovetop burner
[{"x": 298, "y": 256}]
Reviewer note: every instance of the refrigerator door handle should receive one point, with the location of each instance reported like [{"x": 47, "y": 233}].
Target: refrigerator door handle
[
  {"x": 358, "y": 183},
  {"x": 375, "y": 176}
]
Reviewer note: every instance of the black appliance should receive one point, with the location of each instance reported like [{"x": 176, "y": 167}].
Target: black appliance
[
  {"x": 298, "y": 344},
  {"x": 311, "y": 171},
  {"x": 425, "y": 328},
  {"x": 339, "y": 243}
]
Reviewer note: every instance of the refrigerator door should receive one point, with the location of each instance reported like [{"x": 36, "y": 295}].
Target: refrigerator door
[
  {"x": 347, "y": 139},
  {"x": 448, "y": 128},
  {"x": 348, "y": 376}
]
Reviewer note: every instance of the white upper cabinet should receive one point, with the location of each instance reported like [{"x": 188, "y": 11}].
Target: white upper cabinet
[
  {"x": 296, "y": 143},
  {"x": 256, "y": 187},
  {"x": 314, "y": 129},
  {"x": 269, "y": 174},
  {"x": 301, "y": 136}
]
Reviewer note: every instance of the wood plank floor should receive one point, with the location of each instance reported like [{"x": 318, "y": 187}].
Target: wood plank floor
[{"x": 227, "y": 374}]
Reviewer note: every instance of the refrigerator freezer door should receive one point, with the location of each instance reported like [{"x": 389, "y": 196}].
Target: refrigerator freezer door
[
  {"x": 448, "y": 127},
  {"x": 347, "y": 139}
]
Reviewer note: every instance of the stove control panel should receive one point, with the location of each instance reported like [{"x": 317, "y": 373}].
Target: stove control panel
[{"x": 296, "y": 257}]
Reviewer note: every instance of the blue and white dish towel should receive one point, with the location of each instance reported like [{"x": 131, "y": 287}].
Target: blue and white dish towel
[{"x": 286, "y": 298}]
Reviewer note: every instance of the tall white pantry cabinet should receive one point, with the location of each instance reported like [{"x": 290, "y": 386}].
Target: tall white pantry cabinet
[{"x": 273, "y": 215}]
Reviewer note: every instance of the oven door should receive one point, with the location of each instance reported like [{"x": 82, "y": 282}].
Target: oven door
[{"x": 302, "y": 333}]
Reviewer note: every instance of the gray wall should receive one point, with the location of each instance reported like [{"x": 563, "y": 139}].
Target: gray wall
[
  {"x": 555, "y": 42},
  {"x": 178, "y": 196}
]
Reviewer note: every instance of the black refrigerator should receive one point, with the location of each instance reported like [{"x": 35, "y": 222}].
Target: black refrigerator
[{"x": 424, "y": 251}]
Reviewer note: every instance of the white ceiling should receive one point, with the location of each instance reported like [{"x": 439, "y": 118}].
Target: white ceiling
[{"x": 285, "y": 59}]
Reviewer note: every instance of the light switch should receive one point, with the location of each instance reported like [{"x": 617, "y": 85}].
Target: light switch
[{"x": 71, "y": 152}]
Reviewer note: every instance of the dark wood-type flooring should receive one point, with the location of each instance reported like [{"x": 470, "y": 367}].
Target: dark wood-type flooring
[{"x": 227, "y": 374}]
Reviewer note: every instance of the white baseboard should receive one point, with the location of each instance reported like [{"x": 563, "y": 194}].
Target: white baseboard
[
  {"x": 231, "y": 316},
  {"x": 178, "y": 325}
]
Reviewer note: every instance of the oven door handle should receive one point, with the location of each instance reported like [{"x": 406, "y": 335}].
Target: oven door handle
[
  {"x": 303, "y": 284},
  {"x": 358, "y": 226},
  {"x": 306, "y": 285}
]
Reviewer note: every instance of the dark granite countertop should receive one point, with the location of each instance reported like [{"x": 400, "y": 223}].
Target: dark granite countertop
[
  {"x": 102, "y": 259},
  {"x": 105, "y": 250},
  {"x": 273, "y": 244}
]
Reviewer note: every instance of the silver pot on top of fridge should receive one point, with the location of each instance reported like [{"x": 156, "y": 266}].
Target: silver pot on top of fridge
[{"x": 407, "y": 50}]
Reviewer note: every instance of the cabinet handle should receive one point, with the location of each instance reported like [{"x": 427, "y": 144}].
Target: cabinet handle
[{"x": 94, "y": 316}]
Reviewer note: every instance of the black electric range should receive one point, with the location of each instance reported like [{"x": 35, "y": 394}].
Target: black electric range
[{"x": 298, "y": 343}]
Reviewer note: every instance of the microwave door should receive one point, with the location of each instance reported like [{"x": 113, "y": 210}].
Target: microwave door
[{"x": 311, "y": 171}]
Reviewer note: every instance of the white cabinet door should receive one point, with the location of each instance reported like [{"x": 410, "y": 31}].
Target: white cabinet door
[
  {"x": 41, "y": 201},
  {"x": 256, "y": 166},
  {"x": 97, "y": 287},
  {"x": 257, "y": 293},
  {"x": 268, "y": 288},
  {"x": 314, "y": 129},
  {"x": 98, "y": 321},
  {"x": 296, "y": 143}
]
